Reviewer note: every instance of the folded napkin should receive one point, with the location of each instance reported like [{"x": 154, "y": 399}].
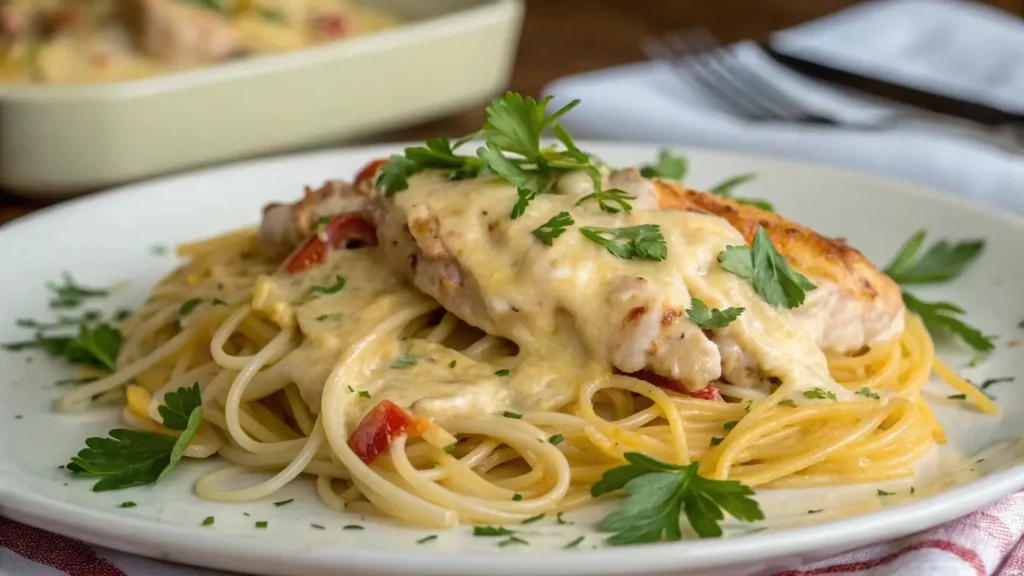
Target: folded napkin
[
  {"x": 958, "y": 49},
  {"x": 986, "y": 543}
]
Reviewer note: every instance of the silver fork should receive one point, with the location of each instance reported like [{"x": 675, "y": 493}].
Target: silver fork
[{"x": 699, "y": 59}]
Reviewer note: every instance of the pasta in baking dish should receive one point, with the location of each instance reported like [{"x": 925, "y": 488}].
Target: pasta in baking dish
[{"x": 78, "y": 42}]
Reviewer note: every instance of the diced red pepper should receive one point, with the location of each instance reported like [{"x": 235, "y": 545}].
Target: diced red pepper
[
  {"x": 340, "y": 230},
  {"x": 708, "y": 393},
  {"x": 379, "y": 427},
  {"x": 331, "y": 25},
  {"x": 369, "y": 171}
]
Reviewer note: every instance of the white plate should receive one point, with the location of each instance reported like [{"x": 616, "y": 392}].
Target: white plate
[{"x": 108, "y": 238}]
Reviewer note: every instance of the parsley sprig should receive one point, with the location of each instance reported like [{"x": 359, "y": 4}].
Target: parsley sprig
[
  {"x": 95, "y": 345},
  {"x": 644, "y": 241},
  {"x": 767, "y": 270},
  {"x": 941, "y": 262},
  {"x": 135, "y": 458},
  {"x": 512, "y": 151},
  {"x": 660, "y": 492},
  {"x": 605, "y": 199},
  {"x": 674, "y": 167},
  {"x": 553, "y": 228},
  {"x": 704, "y": 317}
]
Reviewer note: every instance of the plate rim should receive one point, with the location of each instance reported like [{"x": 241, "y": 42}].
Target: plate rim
[{"x": 223, "y": 551}]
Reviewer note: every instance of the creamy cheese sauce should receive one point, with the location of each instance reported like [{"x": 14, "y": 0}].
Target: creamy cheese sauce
[
  {"x": 429, "y": 385},
  {"x": 576, "y": 297}
]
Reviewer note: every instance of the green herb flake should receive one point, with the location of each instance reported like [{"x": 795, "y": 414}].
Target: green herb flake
[
  {"x": 491, "y": 531},
  {"x": 553, "y": 228},
  {"x": 317, "y": 526},
  {"x": 207, "y": 521},
  {"x": 715, "y": 440},
  {"x": 404, "y": 361},
  {"x": 787, "y": 402},
  {"x": 261, "y": 524},
  {"x": 364, "y": 394},
  {"x": 283, "y": 502},
  {"x": 188, "y": 306},
  {"x": 513, "y": 415},
  {"x": 820, "y": 394},
  {"x": 884, "y": 493},
  {"x": 533, "y": 519},
  {"x": 352, "y": 527},
  {"x": 711, "y": 318},
  {"x": 127, "y": 504},
  {"x": 573, "y": 544},
  {"x": 339, "y": 283},
  {"x": 502, "y": 372},
  {"x": 634, "y": 242},
  {"x": 556, "y": 439},
  {"x": 867, "y": 393},
  {"x": 512, "y": 540},
  {"x": 426, "y": 539},
  {"x": 517, "y": 497}
]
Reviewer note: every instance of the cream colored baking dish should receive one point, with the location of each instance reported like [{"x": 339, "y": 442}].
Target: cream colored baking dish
[{"x": 449, "y": 54}]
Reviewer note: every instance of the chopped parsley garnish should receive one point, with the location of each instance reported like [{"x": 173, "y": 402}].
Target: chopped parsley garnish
[
  {"x": 404, "y": 361},
  {"x": 560, "y": 520},
  {"x": 912, "y": 490},
  {"x": 512, "y": 151},
  {"x": 814, "y": 511},
  {"x": 450, "y": 448},
  {"x": 339, "y": 283},
  {"x": 70, "y": 294},
  {"x": 957, "y": 397},
  {"x": 660, "y": 492},
  {"x": 820, "y": 394},
  {"x": 715, "y": 440},
  {"x": 726, "y": 187},
  {"x": 517, "y": 497},
  {"x": 605, "y": 199},
  {"x": 261, "y": 523},
  {"x": 364, "y": 394},
  {"x": 787, "y": 402},
  {"x": 513, "y": 415},
  {"x": 729, "y": 425},
  {"x": 426, "y": 539},
  {"x": 84, "y": 380},
  {"x": 939, "y": 263},
  {"x": 451, "y": 364},
  {"x": 502, "y": 372},
  {"x": 96, "y": 345},
  {"x": 512, "y": 540},
  {"x": 884, "y": 493},
  {"x": 211, "y": 5},
  {"x": 711, "y": 318},
  {"x": 991, "y": 382},
  {"x": 867, "y": 393},
  {"x": 320, "y": 229},
  {"x": 188, "y": 306},
  {"x": 135, "y": 458},
  {"x": 328, "y": 317},
  {"x": 767, "y": 270},
  {"x": 553, "y": 228},
  {"x": 533, "y": 519},
  {"x": 669, "y": 167},
  {"x": 491, "y": 531},
  {"x": 128, "y": 504},
  {"x": 207, "y": 521},
  {"x": 556, "y": 439},
  {"x": 644, "y": 241},
  {"x": 284, "y": 502},
  {"x": 574, "y": 543},
  {"x": 317, "y": 526},
  {"x": 218, "y": 302},
  {"x": 352, "y": 527}
]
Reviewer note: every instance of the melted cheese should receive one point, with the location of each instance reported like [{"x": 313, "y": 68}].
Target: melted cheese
[
  {"x": 431, "y": 387},
  {"x": 574, "y": 300}
]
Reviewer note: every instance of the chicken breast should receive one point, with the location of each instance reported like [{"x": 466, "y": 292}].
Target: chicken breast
[
  {"x": 855, "y": 304},
  {"x": 179, "y": 33},
  {"x": 456, "y": 242}
]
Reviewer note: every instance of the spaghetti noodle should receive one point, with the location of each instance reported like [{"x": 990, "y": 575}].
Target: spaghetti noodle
[{"x": 285, "y": 378}]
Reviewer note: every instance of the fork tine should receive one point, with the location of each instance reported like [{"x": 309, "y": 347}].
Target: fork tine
[
  {"x": 729, "y": 69},
  {"x": 769, "y": 95},
  {"x": 656, "y": 49},
  {"x": 690, "y": 60}
]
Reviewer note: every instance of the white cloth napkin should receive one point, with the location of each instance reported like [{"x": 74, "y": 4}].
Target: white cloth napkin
[{"x": 955, "y": 48}]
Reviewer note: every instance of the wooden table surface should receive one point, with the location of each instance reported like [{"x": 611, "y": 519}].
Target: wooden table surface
[{"x": 562, "y": 37}]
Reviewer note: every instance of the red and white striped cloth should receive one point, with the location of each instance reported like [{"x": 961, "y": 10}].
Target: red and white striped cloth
[{"x": 989, "y": 542}]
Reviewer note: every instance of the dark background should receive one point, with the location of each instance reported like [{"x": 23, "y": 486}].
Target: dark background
[{"x": 562, "y": 37}]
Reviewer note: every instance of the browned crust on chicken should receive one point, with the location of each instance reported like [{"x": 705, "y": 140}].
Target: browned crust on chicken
[{"x": 806, "y": 251}]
